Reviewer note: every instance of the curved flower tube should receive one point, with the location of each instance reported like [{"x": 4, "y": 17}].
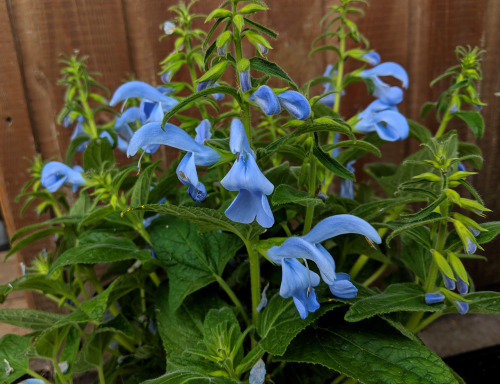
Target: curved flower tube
[
  {"x": 246, "y": 178},
  {"x": 346, "y": 186},
  {"x": 245, "y": 83},
  {"x": 55, "y": 174},
  {"x": 308, "y": 247},
  {"x": 265, "y": 98},
  {"x": 462, "y": 306},
  {"x": 384, "y": 92},
  {"x": 386, "y": 120},
  {"x": 128, "y": 116},
  {"x": 434, "y": 297},
  {"x": 372, "y": 58},
  {"x": 141, "y": 90}
]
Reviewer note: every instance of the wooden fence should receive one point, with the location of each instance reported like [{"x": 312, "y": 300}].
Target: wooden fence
[{"x": 121, "y": 39}]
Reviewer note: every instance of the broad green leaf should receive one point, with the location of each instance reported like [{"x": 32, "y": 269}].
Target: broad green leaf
[
  {"x": 108, "y": 250},
  {"x": 487, "y": 303},
  {"x": 493, "y": 229},
  {"x": 271, "y": 69},
  {"x": 92, "y": 353},
  {"x": 358, "y": 144},
  {"x": 419, "y": 132},
  {"x": 221, "y": 334},
  {"x": 279, "y": 323},
  {"x": 72, "y": 149},
  {"x": 261, "y": 28},
  {"x": 29, "y": 318},
  {"x": 286, "y": 194},
  {"x": 189, "y": 377},
  {"x": 98, "y": 154},
  {"x": 192, "y": 259},
  {"x": 369, "y": 211},
  {"x": 207, "y": 219},
  {"x": 370, "y": 352},
  {"x": 474, "y": 120},
  {"x": 182, "y": 329},
  {"x": 416, "y": 258},
  {"x": 96, "y": 215},
  {"x": 12, "y": 348},
  {"x": 49, "y": 342},
  {"x": 140, "y": 191},
  {"x": 397, "y": 297},
  {"x": 466, "y": 149}
]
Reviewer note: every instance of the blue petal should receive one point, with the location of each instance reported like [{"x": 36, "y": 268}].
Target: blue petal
[
  {"x": 245, "y": 174},
  {"x": 165, "y": 90},
  {"x": 295, "y": 103},
  {"x": 306, "y": 303},
  {"x": 198, "y": 193},
  {"x": 328, "y": 72},
  {"x": 342, "y": 287},
  {"x": 238, "y": 141},
  {"x": 186, "y": 170},
  {"x": 433, "y": 298},
  {"x": 67, "y": 121},
  {"x": 328, "y": 100},
  {"x": 263, "y": 49},
  {"x": 137, "y": 89},
  {"x": 373, "y": 58},
  {"x": 295, "y": 278},
  {"x": 461, "y": 167},
  {"x": 204, "y": 85},
  {"x": 247, "y": 206},
  {"x": 168, "y": 104},
  {"x": 172, "y": 136},
  {"x": 54, "y": 174},
  {"x": 298, "y": 248},
  {"x": 203, "y": 132},
  {"x": 245, "y": 83},
  {"x": 32, "y": 381},
  {"x": 387, "y": 69},
  {"x": 218, "y": 96},
  {"x": 387, "y": 94},
  {"x": 257, "y": 373},
  {"x": 166, "y": 77},
  {"x": 130, "y": 115},
  {"x": 396, "y": 126},
  {"x": 146, "y": 107},
  {"x": 449, "y": 283},
  {"x": 462, "y": 286},
  {"x": 340, "y": 225},
  {"x": 264, "y": 214},
  {"x": 462, "y": 306},
  {"x": 336, "y": 139},
  {"x": 265, "y": 98},
  {"x": 346, "y": 186}
]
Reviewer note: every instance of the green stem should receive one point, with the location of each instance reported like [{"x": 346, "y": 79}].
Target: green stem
[
  {"x": 340, "y": 70},
  {"x": 125, "y": 342},
  {"x": 414, "y": 320},
  {"x": 234, "y": 298},
  {"x": 155, "y": 279},
  {"x": 254, "y": 279},
  {"x": 80, "y": 282},
  {"x": 36, "y": 375},
  {"x": 339, "y": 379},
  {"x": 100, "y": 371},
  {"x": 424, "y": 323},
  {"x": 375, "y": 275},
  {"x": 59, "y": 374},
  {"x": 312, "y": 190}
]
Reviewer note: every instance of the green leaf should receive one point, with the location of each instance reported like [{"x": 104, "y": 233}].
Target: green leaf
[
  {"x": 358, "y": 144},
  {"x": 29, "y": 318},
  {"x": 493, "y": 229},
  {"x": 261, "y": 28},
  {"x": 32, "y": 237},
  {"x": 185, "y": 376},
  {"x": 215, "y": 72},
  {"x": 279, "y": 323},
  {"x": 487, "y": 303},
  {"x": 96, "y": 215},
  {"x": 331, "y": 164},
  {"x": 108, "y": 250},
  {"x": 371, "y": 210},
  {"x": 406, "y": 227},
  {"x": 425, "y": 212},
  {"x": 397, "y": 297},
  {"x": 218, "y": 14},
  {"x": 466, "y": 149},
  {"x": 474, "y": 120},
  {"x": 252, "y": 8},
  {"x": 208, "y": 219},
  {"x": 221, "y": 335},
  {"x": 12, "y": 348},
  {"x": 192, "y": 260},
  {"x": 140, "y": 191},
  {"x": 98, "y": 154},
  {"x": 370, "y": 352},
  {"x": 72, "y": 148},
  {"x": 419, "y": 132},
  {"x": 286, "y": 194},
  {"x": 271, "y": 69}
]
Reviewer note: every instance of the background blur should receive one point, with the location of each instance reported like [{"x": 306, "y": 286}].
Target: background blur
[{"x": 121, "y": 38}]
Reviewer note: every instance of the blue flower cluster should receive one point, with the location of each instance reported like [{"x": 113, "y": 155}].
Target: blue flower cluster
[{"x": 298, "y": 281}]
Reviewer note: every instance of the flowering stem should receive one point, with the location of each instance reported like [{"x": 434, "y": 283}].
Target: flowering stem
[
  {"x": 312, "y": 190},
  {"x": 59, "y": 374},
  {"x": 340, "y": 70},
  {"x": 233, "y": 297},
  {"x": 253, "y": 257}
]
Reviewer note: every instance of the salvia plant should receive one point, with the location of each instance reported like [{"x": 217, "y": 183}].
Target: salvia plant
[{"x": 251, "y": 255}]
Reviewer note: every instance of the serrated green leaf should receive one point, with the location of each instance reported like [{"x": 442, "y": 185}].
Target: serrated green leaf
[
  {"x": 12, "y": 348},
  {"x": 487, "y": 303},
  {"x": 279, "y": 323},
  {"x": 371, "y": 210},
  {"x": 370, "y": 353},
  {"x": 261, "y": 28},
  {"x": 405, "y": 297},
  {"x": 331, "y": 164},
  {"x": 286, "y": 194},
  {"x": 474, "y": 120},
  {"x": 359, "y": 144},
  {"x": 406, "y": 227},
  {"x": 271, "y": 69},
  {"x": 108, "y": 250},
  {"x": 185, "y": 376},
  {"x": 192, "y": 260},
  {"x": 425, "y": 212},
  {"x": 29, "y": 318},
  {"x": 208, "y": 219},
  {"x": 98, "y": 153},
  {"x": 96, "y": 215},
  {"x": 32, "y": 237}
]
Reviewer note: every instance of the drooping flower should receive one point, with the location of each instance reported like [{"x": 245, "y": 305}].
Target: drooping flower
[
  {"x": 434, "y": 297},
  {"x": 386, "y": 120},
  {"x": 308, "y": 247},
  {"x": 372, "y": 58},
  {"x": 462, "y": 306},
  {"x": 294, "y": 102},
  {"x": 55, "y": 174},
  {"x": 245, "y": 83},
  {"x": 141, "y": 90},
  {"x": 383, "y": 91},
  {"x": 246, "y": 178}
]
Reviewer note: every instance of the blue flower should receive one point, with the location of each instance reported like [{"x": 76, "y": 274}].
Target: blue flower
[
  {"x": 308, "y": 247},
  {"x": 218, "y": 96},
  {"x": 346, "y": 185},
  {"x": 462, "y": 306},
  {"x": 55, "y": 174},
  {"x": 121, "y": 144},
  {"x": 246, "y": 178},
  {"x": 168, "y": 27},
  {"x": 386, "y": 120},
  {"x": 449, "y": 283},
  {"x": 265, "y": 98},
  {"x": 384, "y": 92},
  {"x": 329, "y": 100},
  {"x": 245, "y": 83},
  {"x": 204, "y": 85},
  {"x": 257, "y": 373},
  {"x": 434, "y": 297},
  {"x": 141, "y": 90},
  {"x": 130, "y": 115},
  {"x": 292, "y": 101}
]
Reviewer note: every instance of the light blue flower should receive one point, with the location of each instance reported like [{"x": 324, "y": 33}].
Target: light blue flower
[
  {"x": 386, "y": 120},
  {"x": 384, "y": 92},
  {"x": 129, "y": 116},
  {"x": 434, "y": 297},
  {"x": 372, "y": 58},
  {"x": 32, "y": 381},
  {"x": 265, "y": 98},
  {"x": 245, "y": 82},
  {"x": 204, "y": 85},
  {"x": 121, "y": 144},
  {"x": 462, "y": 286},
  {"x": 449, "y": 283},
  {"x": 471, "y": 246},
  {"x": 140, "y": 90},
  {"x": 308, "y": 247},
  {"x": 168, "y": 28},
  {"x": 55, "y": 174},
  {"x": 462, "y": 306},
  {"x": 218, "y": 96},
  {"x": 246, "y": 178},
  {"x": 257, "y": 373},
  {"x": 346, "y": 185},
  {"x": 263, "y": 49},
  {"x": 166, "y": 77},
  {"x": 295, "y": 103}
]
